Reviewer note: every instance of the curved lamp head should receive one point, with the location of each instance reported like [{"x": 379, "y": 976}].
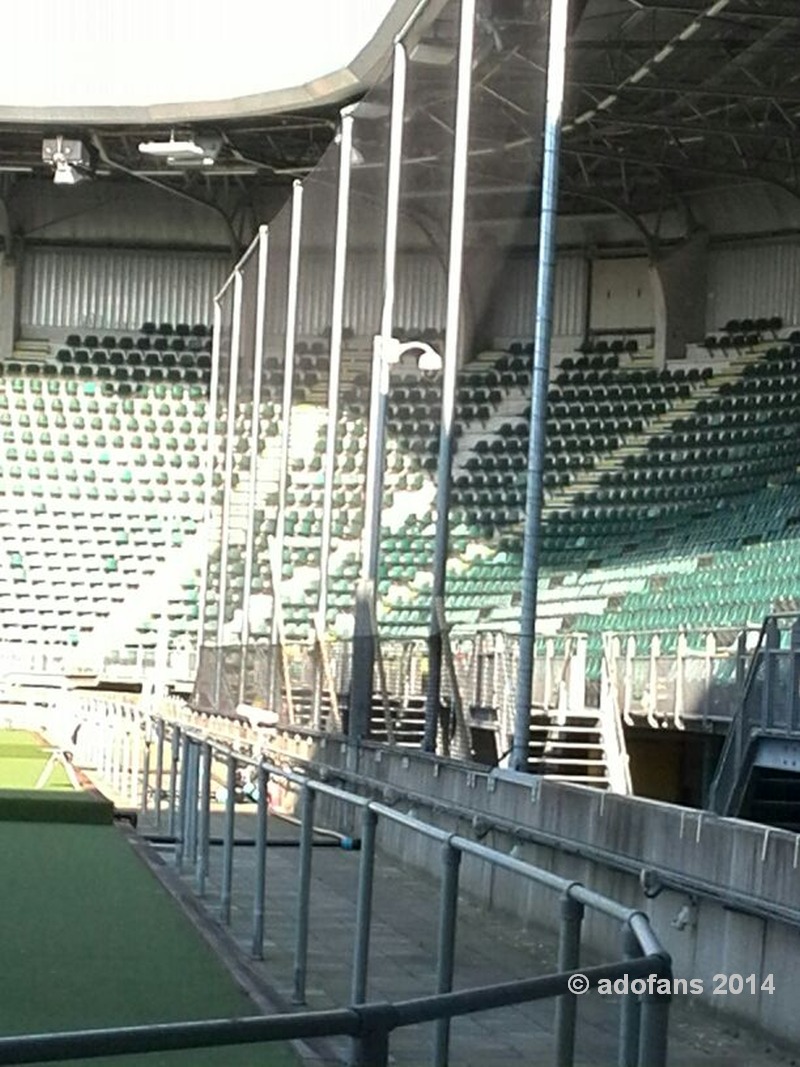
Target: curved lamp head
[
  {"x": 389, "y": 351},
  {"x": 429, "y": 360}
]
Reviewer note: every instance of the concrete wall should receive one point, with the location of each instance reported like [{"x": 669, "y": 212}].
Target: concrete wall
[
  {"x": 604, "y": 841},
  {"x": 679, "y": 280},
  {"x": 8, "y": 305}
]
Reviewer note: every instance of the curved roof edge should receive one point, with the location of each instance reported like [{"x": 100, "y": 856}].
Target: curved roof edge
[{"x": 327, "y": 90}]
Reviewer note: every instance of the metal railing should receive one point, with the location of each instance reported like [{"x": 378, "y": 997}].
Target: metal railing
[
  {"x": 166, "y": 768},
  {"x": 665, "y": 677},
  {"x": 670, "y": 676},
  {"x": 370, "y": 1025},
  {"x": 769, "y": 705}
]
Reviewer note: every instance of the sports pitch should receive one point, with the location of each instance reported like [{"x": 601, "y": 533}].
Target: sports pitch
[{"x": 91, "y": 938}]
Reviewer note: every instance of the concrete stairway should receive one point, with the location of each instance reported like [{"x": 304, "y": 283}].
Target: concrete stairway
[{"x": 579, "y": 746}]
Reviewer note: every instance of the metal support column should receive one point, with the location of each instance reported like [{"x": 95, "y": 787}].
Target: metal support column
[
  {"x": 569, "y": 957},
  {"x": 337, "y": 322},
  {"x": 190, "y": 849},
  {"x": 273, "y": 688},
  {"x": 136, "y": 762},
  {"x": 204, "y": 819},
  {"x": 445, "y": 964},
  {"x": 175, "y": 745},
  {"x": 262, "y": 784},
  {"x": 159, "y": 787},
  {"x": 540, "y": 371},
  {"x": 227, "y": 843},
  {"x": 180, "y": 839},
  {"x": 366, "y": 870},
  {"x": 451, "y": 352},
  {"x": 148, "y": 744},
  {"x": 208, "y": 473},
  {"x": 629, "y": 1008},
  {"x": 255, "y": 433},
  {"x": 230, "y": 433},
  {"x": 364, "y": 628},
  {"x": 303, "y": 895},
  {"x": 653, "y": 1035}
]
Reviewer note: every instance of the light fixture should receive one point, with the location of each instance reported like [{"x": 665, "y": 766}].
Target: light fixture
[
  {"x": 70, "y": 159},
  {"x": 430, "y": 360},
  {"x": 391, "y": 350},
  {"x": 190, "y": 151},
  {"x": 356, "y": 156}
]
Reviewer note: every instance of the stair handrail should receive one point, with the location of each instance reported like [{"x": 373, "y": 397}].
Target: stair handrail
[
  {"x": 728, "y": 764},
  {"x": 617, "y": 759},
  {"x": 455, "y": 733},
  {"x": 329, "y": 681}
]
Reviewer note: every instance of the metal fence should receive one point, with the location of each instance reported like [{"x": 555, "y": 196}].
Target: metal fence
[
  {"x": 669, "y": 676},
  {"x": 769, "y": 707},
  {"x": 663, "y": 678},
  {"x": 165, "y": 768}
]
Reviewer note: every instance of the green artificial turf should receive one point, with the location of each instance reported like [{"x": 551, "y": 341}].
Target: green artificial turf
[
  {"x": 90, "y": 938},
  {"x": 22, "y": 757},
  {"x": 55, "y": 805}
]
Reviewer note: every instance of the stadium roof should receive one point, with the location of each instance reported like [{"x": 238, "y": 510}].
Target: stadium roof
[{"x": 667, "y": 101}]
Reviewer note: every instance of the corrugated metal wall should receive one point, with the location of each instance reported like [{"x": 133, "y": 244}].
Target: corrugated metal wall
[
  {"x": 571, "y": 295},
  {"x": 363, "y": 293},
  {"x": 421, "y": 293},
  {"x": 750, "y": 281},
  {"x": 119, "y": 289},
  {"x": 315, "y": 286},
  {"x": 515, "y": 306}
]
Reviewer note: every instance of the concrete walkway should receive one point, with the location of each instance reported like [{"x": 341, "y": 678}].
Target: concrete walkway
[{"x": 490, "y": 948}]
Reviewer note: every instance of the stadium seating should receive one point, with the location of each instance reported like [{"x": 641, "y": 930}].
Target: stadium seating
[{"x": 669, "y": 494}]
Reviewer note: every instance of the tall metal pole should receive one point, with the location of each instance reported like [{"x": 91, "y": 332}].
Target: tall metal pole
[
  {"x": 337, "y": 321},
  {"x": 211, "y": 447},
  {"x": 451, "y": 349},
  {"x": 255, "y": 433},
  {"x": 230, "y": 431},
  {"x": 540, "y": 370},
  {"x": 286, "y": 418},
  {"x": 364, "y": 631}
]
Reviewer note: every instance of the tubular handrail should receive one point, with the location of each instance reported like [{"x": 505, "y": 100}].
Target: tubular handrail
[
  {"x": 499, "y": 859},
  {"x": 740, "y": 731},
  {"x": 357, "y": 1021},
  {"x": 192, "y": 753},
  {"x": 747, "y": 904},
  {"x": 589, "y": 897},
  {"x": 775, "y": 616}
]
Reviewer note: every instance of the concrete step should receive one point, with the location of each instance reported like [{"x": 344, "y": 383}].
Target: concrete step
[
  {"x": 567, "y": 762},
  {"x": 568, "y": 746},
  {"x": 580, "y": 779},
  {"x": 568, "y": 729}
]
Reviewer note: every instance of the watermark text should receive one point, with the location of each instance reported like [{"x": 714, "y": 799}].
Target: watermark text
[{"x": 652, "y": 984}]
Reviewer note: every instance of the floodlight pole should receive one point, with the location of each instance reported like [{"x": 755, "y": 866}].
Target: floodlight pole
[
  {"x": 540, "y": 370},
  {"x": 211, "y": 447},
  {"x": 337, "y": 322},
  {"x": 273, "y": 687},
  {"x": 451, "y": 349},
  {"x": 255, "y": 434},
  {"x": 230, "y": 431},
  {"x": 364, "y": 624}
]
